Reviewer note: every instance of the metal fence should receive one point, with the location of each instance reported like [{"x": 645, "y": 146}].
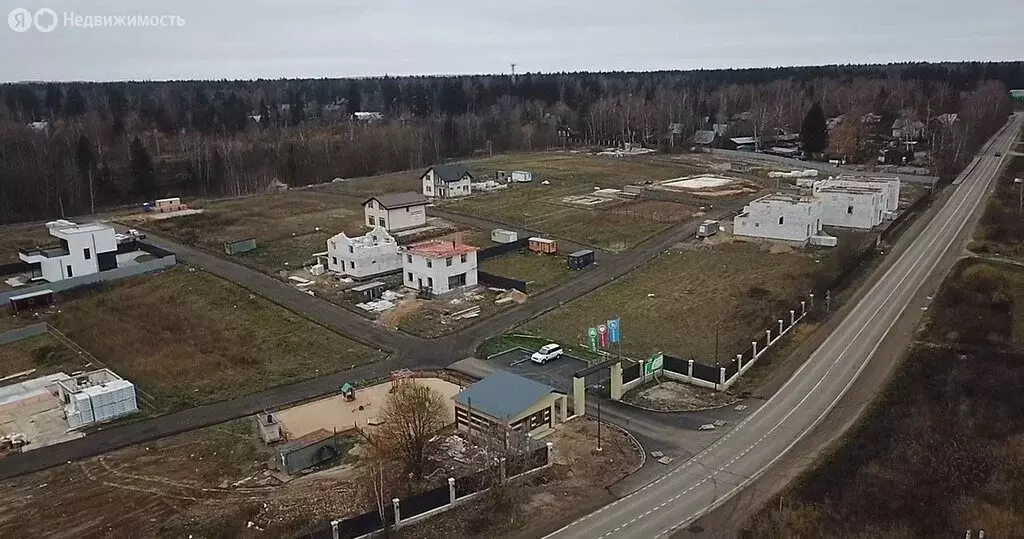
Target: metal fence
[
  {"x": 497, "y": 281},
  {"x": 504, "y": 248},
  {"x": 437, "y": 500}
]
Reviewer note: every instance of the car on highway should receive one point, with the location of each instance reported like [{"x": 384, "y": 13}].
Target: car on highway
[
  {"x": 999, "y": 154},
  {"x": 547, "y": 353}
]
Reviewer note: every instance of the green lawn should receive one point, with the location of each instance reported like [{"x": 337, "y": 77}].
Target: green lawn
[
  {"x": 540, "y": 271},
  {"x": 188, "y": 338}
]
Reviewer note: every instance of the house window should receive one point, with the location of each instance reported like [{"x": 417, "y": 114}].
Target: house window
[
  {"x": 407, "y": 209},
  {"x": 70, "y": 273},
  {"x": 333, "y": 245},
  {"x": 410, "y": 276},
  {"x": 757, "y": 224},
  {"x": 429, "y": 189},
  {"x": 334, "y": 260},
  {"x": 369, "y": 220},
  {"x": 381, "y": 221},
  {"x": 430, "y": 282},
  {"x": 350, "y": 249},
  {"x": 351, "y": 264},
  {"x": 408, "y": 258},
  {"x": 448, "y": 261},
  {"x": 462, "y": 259},
  {"x": 88, "y": 255},
  {"x": 781, "y": 219},
  {"x": 430, "y": 263},
  {"x": 849, "y": 209}
]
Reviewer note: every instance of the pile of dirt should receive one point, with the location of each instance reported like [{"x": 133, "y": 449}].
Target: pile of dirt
[{"x": 671, "y": 396}]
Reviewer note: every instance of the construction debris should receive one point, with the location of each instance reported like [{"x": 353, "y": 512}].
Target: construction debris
[
  {"x": 376, "y": 306},
  {"x": 512, "y": 296}
]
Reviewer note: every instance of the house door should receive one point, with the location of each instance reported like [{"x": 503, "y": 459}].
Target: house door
[{"x": 420, "y": 283}]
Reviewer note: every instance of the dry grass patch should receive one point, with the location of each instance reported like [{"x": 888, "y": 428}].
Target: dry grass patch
[
  {"x": 188, "y": 338},
  {"x": 675, "y": 303}
]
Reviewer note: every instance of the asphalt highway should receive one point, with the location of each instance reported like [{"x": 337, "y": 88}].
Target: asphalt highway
[{"x": 723, "y": 469}]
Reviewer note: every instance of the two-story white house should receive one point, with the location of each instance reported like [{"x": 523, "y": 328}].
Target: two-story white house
[
  {"x": 439, "y": 266},
  {"x": 447, "y": 181},
  {"x": 780, "y": 216},
  {"x": 396, "y": 211},
  {"x": 890, "y": 185},
  {"x": 361, "y": 257},
  {"x": 81, "y": 250}
]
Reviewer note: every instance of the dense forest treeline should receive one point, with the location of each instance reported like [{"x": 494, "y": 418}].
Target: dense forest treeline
[{"x": 67, "y": 148}]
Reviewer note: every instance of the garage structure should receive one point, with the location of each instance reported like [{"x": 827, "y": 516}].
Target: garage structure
[{"x": 503, "y": 398}]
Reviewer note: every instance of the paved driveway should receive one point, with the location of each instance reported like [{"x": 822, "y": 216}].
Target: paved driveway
[{"x": 557, "y": 374}]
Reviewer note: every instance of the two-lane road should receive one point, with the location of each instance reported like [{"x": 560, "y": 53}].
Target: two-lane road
[{"x": 755, "y": 444}]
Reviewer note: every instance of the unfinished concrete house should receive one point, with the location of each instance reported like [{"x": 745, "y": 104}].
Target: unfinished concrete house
[
  {"x": 780, "y": 216},
  {"x": 95, "y": 397},
  {"x": 439, "y": 266},
  {"x": 860, "y": 207},
  {"x": 889, "y": 185},
  {"x": 362, "y": 257}
]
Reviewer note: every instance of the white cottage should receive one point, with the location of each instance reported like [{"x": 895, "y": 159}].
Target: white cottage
[
  {"x": 81, "y": 250},
  {"x": 361, "y": 257},
  {"x": 780, "y": 216},
  {"x": 447, "y": 181},
  {"x": 439, "y": 266},
  {"x": 396, "y": 211}
]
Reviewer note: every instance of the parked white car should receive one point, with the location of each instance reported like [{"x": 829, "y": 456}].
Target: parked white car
[{"x": 546, "y": 353}]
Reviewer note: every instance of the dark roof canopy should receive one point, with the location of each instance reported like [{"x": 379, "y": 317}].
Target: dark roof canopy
[
  {"x": 450, "y": 173},
  {"x": 503, "y": 395}
]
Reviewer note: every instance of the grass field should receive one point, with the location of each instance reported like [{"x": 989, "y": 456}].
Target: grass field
[
  {"x": 940, "y": 450},
  {"x": 1001, "y": 230},
  {"x": 189, "y": 338},
  {"x": 675, "y": 303},
  {"x": 13, "y": 238},
  {"x": 284, "y": 225},
  {"x": 43, "y": 353},
  {"x": 538, "y": 270}
]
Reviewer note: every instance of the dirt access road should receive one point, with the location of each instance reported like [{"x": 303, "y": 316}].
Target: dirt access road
[{"x": 407, "y": 352}]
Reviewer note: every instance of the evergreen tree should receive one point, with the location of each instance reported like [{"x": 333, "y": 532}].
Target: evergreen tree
[
  {"x": 814, "y": 130},
  {"x": 141, "y": 169}
]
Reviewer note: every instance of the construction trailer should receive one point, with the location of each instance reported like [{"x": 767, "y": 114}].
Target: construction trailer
[
  {"x": 31, "y": 300},
  {"x": 580, "y": 259},
  {"x": 543, "y": 245},
  {"x": 369, "y": 291},
  {"x": 707, "y": 228},
  {"x": 240, "y": 246},
  {"x": 499, "y": 235}
]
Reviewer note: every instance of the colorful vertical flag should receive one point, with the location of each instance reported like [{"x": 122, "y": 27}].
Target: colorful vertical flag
[
  {"x": 602, "y": 334},
  {"x": 592, "y": 333},
  {"x": 613, "y": 330}
]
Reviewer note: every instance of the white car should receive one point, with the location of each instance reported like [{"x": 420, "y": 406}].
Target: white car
[{"x": 546, "y": 353}]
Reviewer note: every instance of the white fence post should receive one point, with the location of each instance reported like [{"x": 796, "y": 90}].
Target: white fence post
[
  {"x": 451, "y": 490},
  {"x": 721, "y": 378},
  {"x": 753, "y": 345},
  {"x": 780, "y": 329},
  {"x": 334, "y": 529},
  {"x": 739, "y": 362},
  {"x": 689, "y": 370},
  {"x": 398, "y": 513},
  {"x": 792, "y": 318},
  {"x": 803, "y": 308}
]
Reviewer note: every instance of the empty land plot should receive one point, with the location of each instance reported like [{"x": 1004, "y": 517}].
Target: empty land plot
[
  {"x": 406, "y": 180},
  {"x": 675, "y": 303},
  {"x": 13, "y": 238},
  {"x": 540, "y": 271},
  {"x": 618, "y": 226},
  {"x": 290, "y": 218},
  {"x": 188, "y": 338},
  {"x": 207, "y": 483},
  {"x": 580, "y": 169},
  {"x": 43, "y": 353}
]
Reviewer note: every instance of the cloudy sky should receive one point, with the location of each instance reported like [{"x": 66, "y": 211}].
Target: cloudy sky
[{"x": 339, "y": 38}]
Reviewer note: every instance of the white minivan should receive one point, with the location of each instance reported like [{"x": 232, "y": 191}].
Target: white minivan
[{"x": 546, "y": 353}]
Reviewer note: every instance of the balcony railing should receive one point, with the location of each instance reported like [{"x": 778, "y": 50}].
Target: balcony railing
[{"x": 55, "y": 251}]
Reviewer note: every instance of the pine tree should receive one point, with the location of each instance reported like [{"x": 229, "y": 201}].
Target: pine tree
[
  {"x": 814, "y": 130},
  {"x": 141, "y": 169}
]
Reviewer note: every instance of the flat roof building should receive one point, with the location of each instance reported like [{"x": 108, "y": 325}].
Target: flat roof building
[
  {"x": 859, "y": 206},
  {"x": 780, "y": 216},
  {"x": 80, "y": 250}
]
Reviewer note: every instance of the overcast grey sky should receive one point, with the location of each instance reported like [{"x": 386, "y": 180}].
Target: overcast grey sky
[{"x": 340, "y": 38}]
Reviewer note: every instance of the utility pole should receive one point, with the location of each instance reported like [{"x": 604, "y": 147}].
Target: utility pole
[
  {"x": 1020, "y": 188},
  {"x": 598, "y": 422}
]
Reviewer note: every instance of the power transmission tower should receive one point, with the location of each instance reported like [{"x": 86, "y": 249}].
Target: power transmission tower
[{"x": 513, "y": 72}]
